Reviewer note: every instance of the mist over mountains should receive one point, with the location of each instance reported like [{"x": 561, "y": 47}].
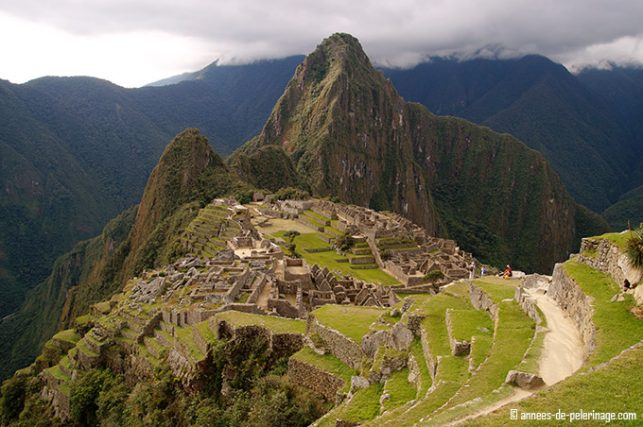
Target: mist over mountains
[{"x": 77, "y": 151}]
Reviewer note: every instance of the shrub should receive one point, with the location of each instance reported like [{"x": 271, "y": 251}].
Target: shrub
[
  {"x": 434, "y": 275},
  {"x": 634, "y": 249},
  {"x": 344, "y": 242},
  {"x": 13, "y": 397},
  {"x": 290, "y": 193},
  {"x": 291, "y": 234}
]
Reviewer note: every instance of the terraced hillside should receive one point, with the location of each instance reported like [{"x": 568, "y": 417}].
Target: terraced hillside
[{"x": 244, "y": 322}]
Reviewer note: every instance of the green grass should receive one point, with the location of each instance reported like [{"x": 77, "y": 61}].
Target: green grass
[
  {"x": 184, "y": 335},
  {"x": 278, "y": 325},
  {"x": 616, "y": 327},
  {"x": 205, "y": 331},
  {"x": 425, "y": 376},
  {"x": 82, "y": 346},
  {"x": 531, "y": 361},
  {"x": 329, "y": 259},
  {"x": 452, "y": 372},
  {"x": 68, "y": 335},
  {"x": 514, "y": 333},
  {"x": 158, "y": 348},
  {"x": 57, "y": 373},
  {"x": 400, "y": 390},
  {"x": 435, "y": 308},
  {"x": 327, "y": 363},
  {"x": 498, "y": 289},
  {"x": 318, "y": 217},
  {"x": 616, "y": 387},
  {"x": 365, "y": 405},
  {"x": 65, "y": 362},
  {"x": 351, "y": 321},
  {"x": 467, "y": 323},
  {"x": 480, "y": 348},
  {"x": 619, "y": 239}
]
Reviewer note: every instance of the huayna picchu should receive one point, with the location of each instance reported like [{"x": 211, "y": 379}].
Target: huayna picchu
[
  {"x": 339, "y": 269},
  {"x": 349, "y": 134}
]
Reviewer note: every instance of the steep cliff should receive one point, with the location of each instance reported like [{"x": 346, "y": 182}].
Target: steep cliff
[
  {"x": 188, "y": 171},
  {"x": 188, "y": 175},
  {"x": 79, "y": 278},
  {"x": 349, "y": 134}
]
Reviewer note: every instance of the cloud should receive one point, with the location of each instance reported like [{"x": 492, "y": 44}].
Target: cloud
[{"x": 398, "y": 33}]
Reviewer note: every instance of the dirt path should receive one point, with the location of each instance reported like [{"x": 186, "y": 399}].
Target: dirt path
[
  {"x": 563, "y": 348},
  {"x": 517, "y": 395},
  {"x": 562, "y": 353}
]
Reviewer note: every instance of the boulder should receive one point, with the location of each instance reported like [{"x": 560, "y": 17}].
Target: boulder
[
  {"x": 402, "y": 337},
  {"x": 524, "y": 380},
  {"x": 358, "y": 382}
]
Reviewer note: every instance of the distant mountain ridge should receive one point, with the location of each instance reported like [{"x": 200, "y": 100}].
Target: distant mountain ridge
[
  {"x": 77, "y": 151},
  {"x": 559, "y": 114}
]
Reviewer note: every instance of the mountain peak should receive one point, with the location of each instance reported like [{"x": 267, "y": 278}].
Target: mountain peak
[
  {"x": 338, "y": 53},
  {"x": 188, "y": 171}
]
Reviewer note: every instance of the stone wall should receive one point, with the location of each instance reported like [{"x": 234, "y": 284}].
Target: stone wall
[
  {"x": 314, "y": 378},
  {"x": 578, "y": 306},
  {"x": 52, "y": 393},
  {"x": 603, "y": 255},
  {"x": 339, "y": 345},
  {"x": 458, "y": 347},
  {"x": 283, "y": 308},
  {"x": 481, "y": 301},
  {"x": 527, "y": 303}
]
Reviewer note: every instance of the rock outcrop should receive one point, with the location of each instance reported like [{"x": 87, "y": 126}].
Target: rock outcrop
[{"x": 605, "y": 256}]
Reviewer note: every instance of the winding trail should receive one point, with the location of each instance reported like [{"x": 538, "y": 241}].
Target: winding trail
[
  {"x": 563, "y": 350},
  {"x": 562, "y": 354}
]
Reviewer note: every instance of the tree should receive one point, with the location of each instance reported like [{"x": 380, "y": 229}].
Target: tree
[{"x": 345, "y": 242}]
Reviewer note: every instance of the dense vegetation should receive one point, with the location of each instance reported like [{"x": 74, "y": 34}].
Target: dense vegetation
[
  {"x": 188, "y": 174},
  {"x": 259, "y": 394},
  {"x": 77, "y": 151},
  {"x": 595, "y": 116}
]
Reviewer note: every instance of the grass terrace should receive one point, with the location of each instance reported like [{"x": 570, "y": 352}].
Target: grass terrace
[
  {"x": 619, "y": 239},
  {"x": 363, "y": 406},
  {"x": 351, "y": 321},
  {"x": 513, "y": 336},
  {"x": 587, "y": 391},
  {"x": 399, "y": 389},
  {"x": 277, "y": 325},
  {"x": 184, "y": 335},
  {"x": 68, "y": 335},
  {"x": 616, "y": 327},
  {"x": 327, "y": 363},
  {"x": 334, "y": 261},
  {"x": 425, "y": 376},
  {"x": 468, "y": 323},
  {"x": 497, "y": 288}
]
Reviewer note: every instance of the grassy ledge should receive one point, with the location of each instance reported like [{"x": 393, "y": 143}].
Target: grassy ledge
[{"x": 351, "y": 321}]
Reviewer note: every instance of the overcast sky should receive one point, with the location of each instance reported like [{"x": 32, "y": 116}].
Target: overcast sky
[{"x": 135, "y": 42}]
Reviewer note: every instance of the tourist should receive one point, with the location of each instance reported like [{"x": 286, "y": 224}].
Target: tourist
[
  {"x": 482, "y": 271},
  {"x": 508, "y": 272},
  {"x": 472, "y": 270}
]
